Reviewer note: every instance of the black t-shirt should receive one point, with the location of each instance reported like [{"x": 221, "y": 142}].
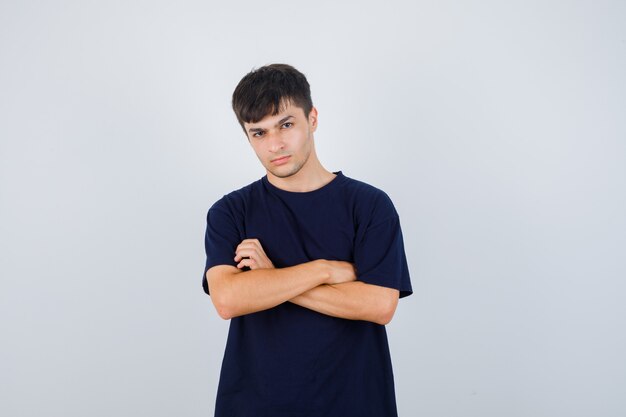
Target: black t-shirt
[{"x": 288, "y": 360}]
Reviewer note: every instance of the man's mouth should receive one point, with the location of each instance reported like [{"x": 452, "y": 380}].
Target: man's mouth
[{"x": 281, "y": 160}]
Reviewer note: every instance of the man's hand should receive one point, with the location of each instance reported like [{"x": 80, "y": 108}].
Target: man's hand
[
  {"x": 340, "y": 271},
  {"x": 250, "y": 253}
]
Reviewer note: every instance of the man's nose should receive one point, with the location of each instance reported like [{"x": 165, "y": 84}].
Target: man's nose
[{"x": 275, "y": 141}]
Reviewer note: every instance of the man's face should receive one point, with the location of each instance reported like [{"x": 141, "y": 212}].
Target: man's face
[{"x": 283, "y": 143}]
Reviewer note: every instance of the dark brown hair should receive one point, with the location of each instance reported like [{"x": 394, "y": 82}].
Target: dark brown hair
[{"x": 267, "y": 90}]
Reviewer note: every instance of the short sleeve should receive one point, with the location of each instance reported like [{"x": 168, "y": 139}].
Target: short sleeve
[
  {"x": 380, "y": 258},
  {"x": 220, "y": 241}
]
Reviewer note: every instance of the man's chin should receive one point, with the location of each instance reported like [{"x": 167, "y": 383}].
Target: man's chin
[
  {"x": 279, "y": 173},
  {"x": 283, "y": 175}
]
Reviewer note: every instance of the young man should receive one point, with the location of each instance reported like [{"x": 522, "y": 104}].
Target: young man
[{"x": 307, "y": 264}]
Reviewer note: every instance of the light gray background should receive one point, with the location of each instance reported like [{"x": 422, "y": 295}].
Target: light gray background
[{"x": 497, "y": 128}]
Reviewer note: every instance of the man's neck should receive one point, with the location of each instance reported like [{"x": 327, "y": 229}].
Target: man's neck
[{"x": 302, "y": 181}]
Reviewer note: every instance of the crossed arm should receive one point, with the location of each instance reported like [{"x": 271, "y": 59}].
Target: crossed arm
[{"x": 328, "y": 287}]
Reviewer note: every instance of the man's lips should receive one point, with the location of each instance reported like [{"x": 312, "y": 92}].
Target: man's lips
[{"x": 281, "y": 160}]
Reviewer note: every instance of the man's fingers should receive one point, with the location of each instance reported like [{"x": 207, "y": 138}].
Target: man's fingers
[
  {"x": 251, "y": 263},
  {"x": 248, "y": 249},
  {"x": 243, "y": 250},
  {"x": 249, "y": 243},
  {"x": 250, "y": 253},
  {"x": 245, "y": 253}
]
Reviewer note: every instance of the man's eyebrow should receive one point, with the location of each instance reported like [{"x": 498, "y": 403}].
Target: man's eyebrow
[{"x": 280, "y": 122}]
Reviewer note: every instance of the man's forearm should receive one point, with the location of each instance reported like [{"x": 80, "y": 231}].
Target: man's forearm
[
  {"x": 351, "y": 300},
  {"x": 235, "y": 293}
]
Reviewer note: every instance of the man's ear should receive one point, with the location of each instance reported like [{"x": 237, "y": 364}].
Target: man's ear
[{"x": 313, "y": 119}]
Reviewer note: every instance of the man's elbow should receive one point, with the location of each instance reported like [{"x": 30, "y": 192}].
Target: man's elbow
[
  {"x": 387, "y": 310},
  {"x": 385, "y": 317},
  {"x": 224, "y": 312},
  {"x": 221, "y": 298},
  {"x": 224, "y": 304}
]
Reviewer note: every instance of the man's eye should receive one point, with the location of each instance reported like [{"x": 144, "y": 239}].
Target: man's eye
[
  {"x": 288, "y": 123},
  {"x": 258, "y": 134}
]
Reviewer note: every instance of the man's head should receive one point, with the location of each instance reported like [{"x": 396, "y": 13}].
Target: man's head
[
  {"x": 273, "y": 105},
  {"x": 266, "y": 91}
]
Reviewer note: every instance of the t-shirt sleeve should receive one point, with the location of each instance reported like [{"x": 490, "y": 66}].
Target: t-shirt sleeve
[
  {"x": 379, "y": 255},
  {"x": 220, "y": 241}
]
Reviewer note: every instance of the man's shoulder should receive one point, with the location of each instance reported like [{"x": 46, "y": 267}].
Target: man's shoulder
[{"x": 366, "y": 194}]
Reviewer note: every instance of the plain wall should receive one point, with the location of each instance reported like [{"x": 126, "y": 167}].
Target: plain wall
[{"x": 497, "y": 128}]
